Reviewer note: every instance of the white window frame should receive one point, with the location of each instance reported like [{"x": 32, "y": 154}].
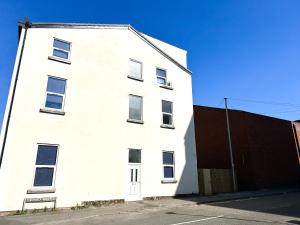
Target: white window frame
[
  {"x": 60, "y": 49},
  {"x": 141, "y": 109},
  {"x": 167, "y": 165},
  {"x": 165, "y": 113},
  {"x": 45, "y": 166},
  {"x": 132, "y": 77},
  {"x": 57, "y": 94},
  {"x": 164, "y": 78}
]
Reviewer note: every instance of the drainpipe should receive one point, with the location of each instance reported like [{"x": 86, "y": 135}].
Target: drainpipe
[{"x": 27, "y": 24}]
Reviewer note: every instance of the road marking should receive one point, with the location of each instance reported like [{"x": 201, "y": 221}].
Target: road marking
[
  {"x": 87, "y": 217},
  {"x": 194, "y": 221}
]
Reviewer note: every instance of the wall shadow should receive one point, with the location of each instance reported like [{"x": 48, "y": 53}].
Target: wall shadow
[
  {"x": 190, "y": 170},
  {"x": 284, "y": 205}
]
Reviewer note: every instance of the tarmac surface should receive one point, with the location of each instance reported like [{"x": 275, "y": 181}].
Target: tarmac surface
[{"x": 263, "y": 207}]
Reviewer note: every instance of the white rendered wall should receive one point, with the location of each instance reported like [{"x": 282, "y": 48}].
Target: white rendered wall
[{"x": 93, "y": 135}]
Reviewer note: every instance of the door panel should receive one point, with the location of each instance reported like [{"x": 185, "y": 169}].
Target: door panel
[{"x": 134, "y": 186}]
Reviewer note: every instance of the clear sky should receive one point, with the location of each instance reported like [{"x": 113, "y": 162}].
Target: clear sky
[{"x": 241, "y": 49}]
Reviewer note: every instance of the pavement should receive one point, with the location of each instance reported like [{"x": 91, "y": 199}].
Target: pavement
[{"x": 259, "y": 207}]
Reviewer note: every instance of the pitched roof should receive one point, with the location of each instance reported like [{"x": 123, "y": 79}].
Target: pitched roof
[{"x": 106, "y": 26}]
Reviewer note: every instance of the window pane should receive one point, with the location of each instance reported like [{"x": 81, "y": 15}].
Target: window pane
[
  {"x": 161, "y": 73},
  {"x": 56, "y": 85},
  {"x": 43, "y": 176},
  {"x": 60, "y": 54},
  {"x": 168, "y": 158},
  {"x": 167, "y": 107},
  {"x": 54, "y": 101},
  {"x": 61, "y": 44},
  {"x": 134, "y": 156},
  {"x": 161, "y": 80},
  {"x": 167, "y": 119},
  {"x": 135, "y": 104},
  {"x": 168, "y": 172},
  {"x": 46, "y": 155},
  {"x": 135, "y": 69}
]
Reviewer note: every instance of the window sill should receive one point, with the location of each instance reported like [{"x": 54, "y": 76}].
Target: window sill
[
  {"x": 169, "y": 181},
  {"x": 167, "y": 126},
  {"x": 59, "y": 59},
  {"x": 40, "y": 190},
  {"x": 135, "y": 121},
  {"x": 52, "y": 111},
  {"x": 135, "y": 78},
  {"x": 166, "y": 87}
]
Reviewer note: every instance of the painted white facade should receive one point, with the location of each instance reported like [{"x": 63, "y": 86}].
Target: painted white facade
[{"x": 94, "y": 135}]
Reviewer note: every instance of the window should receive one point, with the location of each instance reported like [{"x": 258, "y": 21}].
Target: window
[
  {"x": 167, "y": 113},
  {"x": 161, "y": 76},
  {"x": 55, "y": 93},
  {"x": 134, "y": 156},
  {"x": 61, "y": 49},
  {"x": 45, "y": 166},
  {"x": 135, "y": 108},
  {"x": 168, "y": 165},
  {"x": 135, "y": 69}
]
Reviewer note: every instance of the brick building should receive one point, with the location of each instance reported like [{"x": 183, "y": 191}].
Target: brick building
[{"x": 264, "y": 148}]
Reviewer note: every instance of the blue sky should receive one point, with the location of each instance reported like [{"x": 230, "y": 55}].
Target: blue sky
[{"x": 246, "y": 49}]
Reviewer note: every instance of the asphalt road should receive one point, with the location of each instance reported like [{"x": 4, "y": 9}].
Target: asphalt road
[{"x": 279, "y": 209}]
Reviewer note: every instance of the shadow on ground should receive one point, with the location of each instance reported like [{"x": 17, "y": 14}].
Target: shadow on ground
[{"x": 285, "y": 204}]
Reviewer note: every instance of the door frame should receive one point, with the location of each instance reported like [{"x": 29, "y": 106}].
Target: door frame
[{"x": 139, "y": 196}]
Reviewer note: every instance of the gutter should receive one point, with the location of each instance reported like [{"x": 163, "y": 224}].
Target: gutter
[{"x": 27, "y": 25}]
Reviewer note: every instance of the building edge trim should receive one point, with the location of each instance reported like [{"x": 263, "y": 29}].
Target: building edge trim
[{"x": 26, "y": 26}]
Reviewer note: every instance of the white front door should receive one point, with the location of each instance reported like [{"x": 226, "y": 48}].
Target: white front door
[{"x": 134, "y": 179}]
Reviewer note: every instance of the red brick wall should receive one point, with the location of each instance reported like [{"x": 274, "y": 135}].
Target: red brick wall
[{"x": 264, "y": 148}]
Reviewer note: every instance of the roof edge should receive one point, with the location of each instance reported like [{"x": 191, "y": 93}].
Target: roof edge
[
  {"x": 159, "y": 50},
  {"x": 239, "y": 111},
  {"x": 108, "y": 26},
  {"x": 72, "y": 25}
]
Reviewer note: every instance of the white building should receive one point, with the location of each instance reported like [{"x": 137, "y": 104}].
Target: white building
[{"x": 96, "y": 112}]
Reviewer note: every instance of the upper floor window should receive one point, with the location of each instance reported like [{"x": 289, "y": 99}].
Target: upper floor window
[
  {"x": 45, "y": 166},
  {"x": 135, "y": 70},
  {"x": 161, "y": 75},
  {"x": 61, "y": 49},
  {"x": 162, "y": 80},
  {"x": 135, "y": 108},
  {"x": 167, "y": 113},
  {"x": 55, "y": 93}
]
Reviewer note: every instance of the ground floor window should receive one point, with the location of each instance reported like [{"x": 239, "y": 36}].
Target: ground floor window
[
  {"x": 134, "y": 156},
  {"x": 168, "y": 165},
  {"x": 45, "y": 166}
]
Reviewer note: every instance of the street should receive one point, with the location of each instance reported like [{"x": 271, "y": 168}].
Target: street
[{"x": 277, "y": 209}]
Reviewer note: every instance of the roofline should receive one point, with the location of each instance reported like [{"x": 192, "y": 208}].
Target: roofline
[
  {"x": 240, "y": 111},
  {"x": 107, "y": 26}
]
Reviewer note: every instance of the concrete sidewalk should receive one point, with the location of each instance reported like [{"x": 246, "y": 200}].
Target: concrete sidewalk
[{"x": 164, "y": 203}]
